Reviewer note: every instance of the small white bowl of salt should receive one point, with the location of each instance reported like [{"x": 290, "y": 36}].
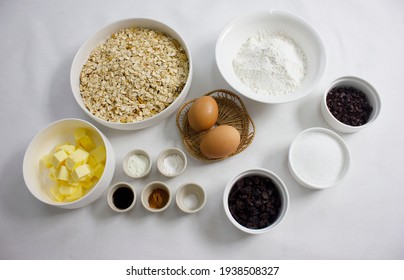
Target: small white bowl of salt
[
  {"x": 137, "y": 163},
  {"x": 171, "y": 162},
  {"x": 190, "y": 197}
]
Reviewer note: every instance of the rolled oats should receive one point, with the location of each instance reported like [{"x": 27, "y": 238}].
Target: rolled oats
[{"x": 134, "y": 75}]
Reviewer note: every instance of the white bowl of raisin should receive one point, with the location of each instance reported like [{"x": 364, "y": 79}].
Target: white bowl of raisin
[
  {"x": 256, "y": 200},
  {"x": 350, "y": 104}
]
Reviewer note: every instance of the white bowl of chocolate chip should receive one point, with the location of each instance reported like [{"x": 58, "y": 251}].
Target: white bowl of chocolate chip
[
  {"x": 256, "y": 200},
  {"x": 350, "y": 104}
]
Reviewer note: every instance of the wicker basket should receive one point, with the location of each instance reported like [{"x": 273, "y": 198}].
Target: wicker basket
[{"x": 231, "y": 112}]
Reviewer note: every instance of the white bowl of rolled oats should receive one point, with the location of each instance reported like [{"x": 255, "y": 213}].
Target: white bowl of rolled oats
[{"x": 132, "y": 73}]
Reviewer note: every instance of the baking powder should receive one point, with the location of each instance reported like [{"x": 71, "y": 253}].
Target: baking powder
[
  {"x": 137, "y": 165},
  {"x": 270, "y": 63},
  {"x": 173, "y": 164}
]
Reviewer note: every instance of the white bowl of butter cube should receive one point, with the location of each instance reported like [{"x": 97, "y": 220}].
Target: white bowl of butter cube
[{"x": 69, "y": 164}]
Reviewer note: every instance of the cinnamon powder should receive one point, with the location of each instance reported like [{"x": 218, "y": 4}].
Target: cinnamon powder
[{"x": 158, "y": 198}]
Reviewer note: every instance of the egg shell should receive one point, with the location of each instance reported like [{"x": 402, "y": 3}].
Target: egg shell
[
  {"x": 220, "y": 141},
  {"x": 203, "y": 113}
]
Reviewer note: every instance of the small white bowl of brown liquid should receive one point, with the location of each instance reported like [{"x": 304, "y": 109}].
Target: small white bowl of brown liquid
[{"x": 121, "y": 197}]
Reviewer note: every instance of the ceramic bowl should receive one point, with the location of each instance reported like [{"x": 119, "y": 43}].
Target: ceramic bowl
[
  {"x": 280, "y": 186},
  {"x": 100, "y": 37},
  {"x": 318, "y": 158},
  {"x": 190, "y": 197},
  {"x": 171, "y": 162},
  {"x": 358, "y": 83},
  {"x": 303, "y": 34},
  {"x": 43, "y": 143},
  {"x": 148, "y": 191},
  {"x": 137, "y": 171},
  {"x": 121, "y": 197}
]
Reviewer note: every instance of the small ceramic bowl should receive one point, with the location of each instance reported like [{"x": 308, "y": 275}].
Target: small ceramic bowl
[
  {"x": 171, "y": 162},
  {"x": 318, "y": 158},
  {"x": 358, "y": 83},
  {"x": 137, "y": 163},
  {"x": 121, "y": 197},
  {"x": 190, "y": 198},
  {"x": 283, "y": 197},
  {"x": 156, "y": 196}
]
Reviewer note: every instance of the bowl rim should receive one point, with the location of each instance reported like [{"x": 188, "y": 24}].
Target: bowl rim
[
  {"x": 131, "y": 21},
  {"x": 270, "y": 13},
  {"x": 280, "y": 186},
  {"x": 30, "y": 147},
  {"x": 356, "y": 80}
]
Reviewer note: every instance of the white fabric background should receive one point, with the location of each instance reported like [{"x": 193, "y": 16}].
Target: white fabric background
[{"x": 363, "y": 218}]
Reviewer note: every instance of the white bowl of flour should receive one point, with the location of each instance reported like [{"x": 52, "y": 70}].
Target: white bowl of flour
[{"x": 271, "y": 56}]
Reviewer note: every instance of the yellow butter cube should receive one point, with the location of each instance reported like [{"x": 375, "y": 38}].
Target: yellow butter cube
[
  {"x": 99, "y": 154},
  {"x": 59, "y": 158},
  {"x": 78, "y": 193},
  {"x": 74, "y": 184},
  {"x": 66, "y": 189},
  {"x": 94, "y": 180},
  {"x": 47, "y": 161},
  {"x": 63, "y": 174},
  {"x": 79, "y": 133},
  {"x": 57, "y": 147},
  {"x": 68, "y": 148},
  {"x": 87, "y": 143},
  {"x": 98, "y": 170},
  {"x": 81, "y": 173},
  {"x": 53, "y": 174},
  {"x": 77, "y": 158},
  {"x": 87, "y": 178},
  {"x": 91, "y": 161},
  {"x": 54, "y": 190},
  {"x": 87, "y": 184}
]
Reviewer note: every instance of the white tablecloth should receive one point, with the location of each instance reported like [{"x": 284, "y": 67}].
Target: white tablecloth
[{"x": 362, "y": 218}]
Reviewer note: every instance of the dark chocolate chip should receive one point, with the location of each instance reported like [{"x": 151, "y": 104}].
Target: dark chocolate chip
[
  {"x": 349, "y": 105},
  {"x": 254, "y": 201}
]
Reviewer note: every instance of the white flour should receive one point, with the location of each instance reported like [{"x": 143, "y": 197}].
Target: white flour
[{"x": 270, "y": 63}]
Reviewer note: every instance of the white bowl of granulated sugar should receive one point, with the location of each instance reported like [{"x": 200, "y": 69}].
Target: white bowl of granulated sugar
[
  {"x": 318, "y": 158},
  {"x": 271, "y": 56}
]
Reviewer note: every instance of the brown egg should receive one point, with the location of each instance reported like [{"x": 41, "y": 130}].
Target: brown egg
[
  {"x": 203, "y": 113},
  {"x": 221, "y": 141}
]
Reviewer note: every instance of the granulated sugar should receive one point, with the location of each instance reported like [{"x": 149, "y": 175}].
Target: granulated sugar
[
  {"x": 318, "y": 158},
  {"x": 270, "y": 63}
]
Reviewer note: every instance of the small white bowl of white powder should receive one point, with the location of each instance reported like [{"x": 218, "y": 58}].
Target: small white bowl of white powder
[
  {"x": 190, "y": 197},
  {"x": 171, "y": 162},
  {"x": 271, "y": 56},
  {"x": 137, "y": 163}
]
